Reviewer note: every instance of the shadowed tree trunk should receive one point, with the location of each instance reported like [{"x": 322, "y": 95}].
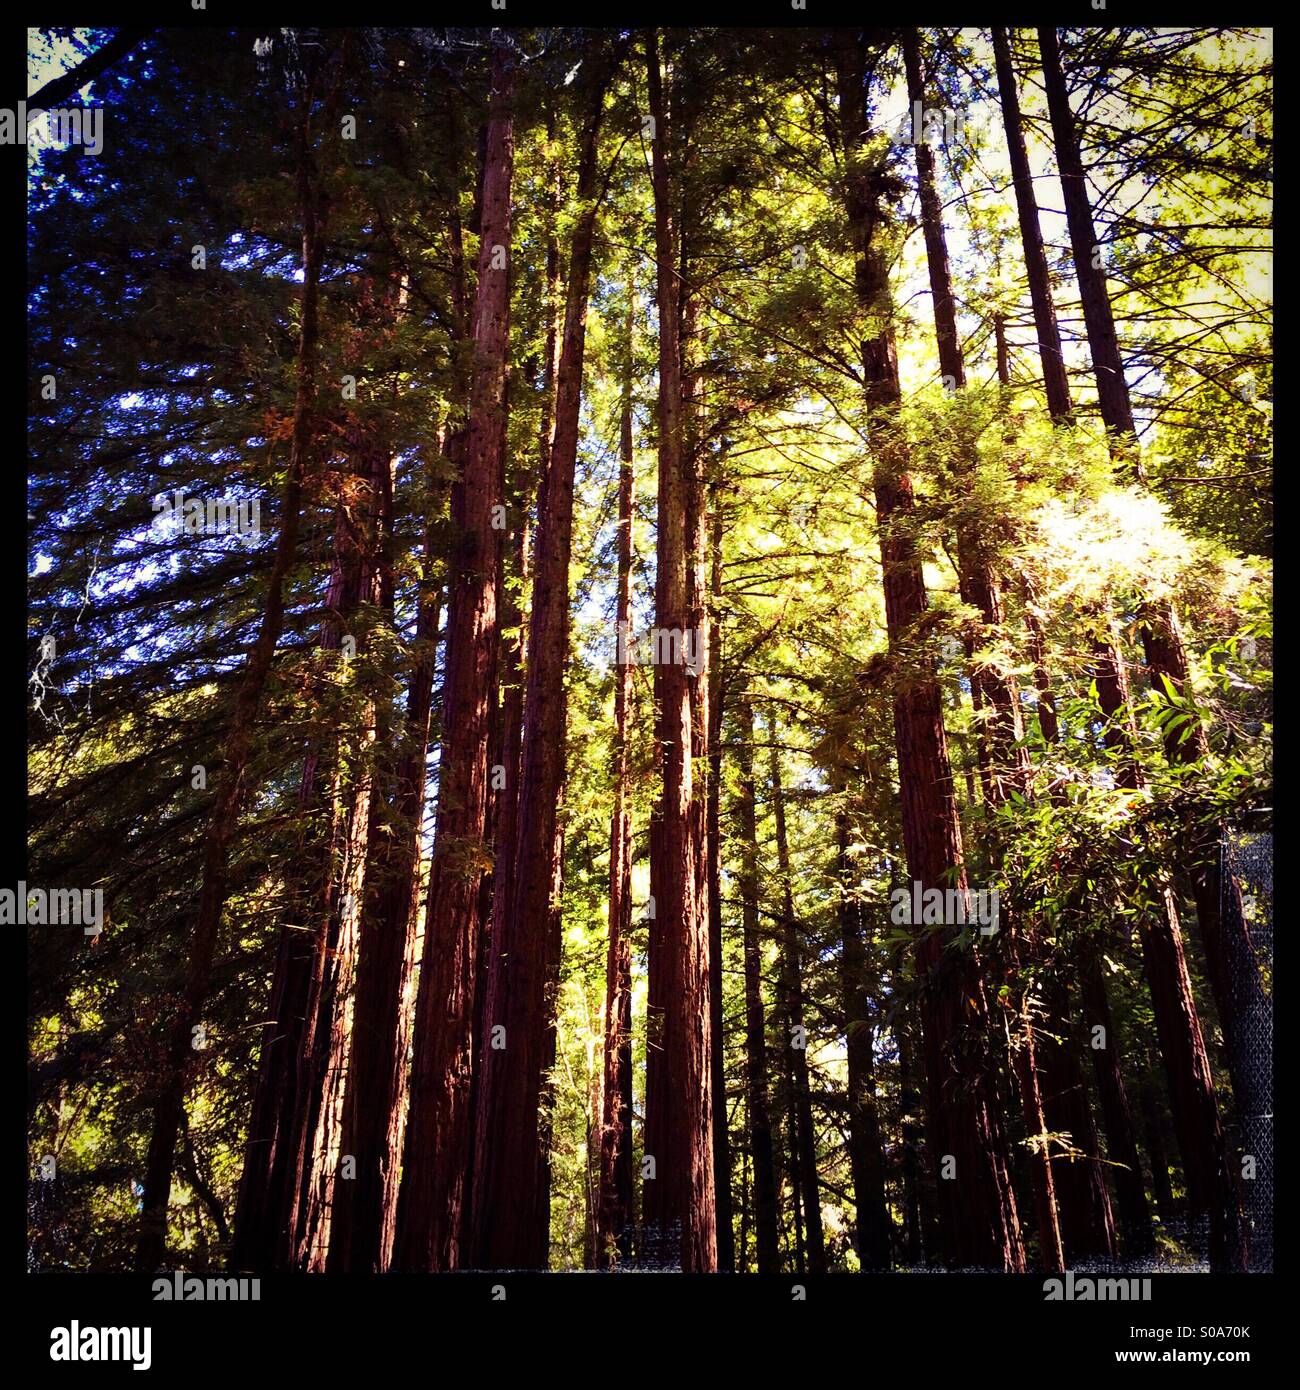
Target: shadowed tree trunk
[
  {"x": 679, "y": 1113},
  {"x": 1107, "y": 365},
  {"x": 1004, "y": 761},
  {"x": 1245, "y": 1015},
  {"x": 58, "y": 89},
  {"x": 1055, "y": 381},
  {"x": 273, "y": 1159},
  {"x": 1207, "y": 1158},
  {"x": 365, "y": 1209},
  {"x": 312, "y": 960},
  {"x": 1154, "y": 1137},
  {"x": 436, "y": 1157},
  {"x": 713, "y": 832},
  {"x": 614, "y": 1204},
  {"x": 1211, "y": 1185},
  {"x": 514, "y": 650},
  {"x": 758, "y": 1117},
  {"x": 1087, "y": 1223},
  {"x": 1121, "y": 1140},
  {"x": 541, "y": 1255},
  {"x": 920, "y": 1219},
  {"x": 508, "y": 1163},
  {"x": 803, "y": 1137},
  {"x": 980, "y": 1223},
  {"x": 365, "y": 519},
  {"x": 866, "y": 1149}
]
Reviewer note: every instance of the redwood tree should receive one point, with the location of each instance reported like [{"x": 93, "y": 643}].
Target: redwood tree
[
  {"x": 614, "y": 1203},
  {"x": 757, "y": 1106},
  {"x": 679, "y": 1113},
  {"x": 507, "y": 1169},
  {"x": 979, "y": 1221},
  {"x": 431, "y": 1207}
]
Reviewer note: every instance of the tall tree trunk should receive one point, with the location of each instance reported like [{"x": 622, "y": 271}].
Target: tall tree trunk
[
  {"x": 866, "y": 1149},
  {"x": 272, "y": 1166},
  {"x": 1211, "y": 1184},
  {"x": 743, "y": 1248},
  {"x": 1087, "y": 1221},
  {"x": 541, "y": 1255},
  {"x": 366, "y": 521},
  {"x": 508, "y": 1161},
  {"x": 757, "y": 1113},
  {"x": 1107, "y": 365},
  {"x": 803, "y": 1138},
  {"x": 713, "y": 868},
  {"x": 509, "y": 755},
  {"x": 919, "y": 1217},
  {"x": 1004, "y": 762},
  {"x": 614, "y": 1205},
  {"x": 786, "y": 1094},
  {"x": 980, "y": 1222},
  {"x": 679, "y": 1136},
  {"x": 706, "y": 709},
  {"x": 317, "y": 1094},
  {"x": 1055, "y": 381},
  {"x": 432, "y": 1197},
  {"x": 1157, "y": 1151},
  {"x": 1244, "y": 1010},
  {"x": 232, "y": 788},
  {"x": 1138, "y": 1235},
  {"x": 310, "y": 959},
  {"x": 365, "y": 1209}
]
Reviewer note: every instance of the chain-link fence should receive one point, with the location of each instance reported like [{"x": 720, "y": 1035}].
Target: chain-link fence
[{"x": 1247, "y": 865}]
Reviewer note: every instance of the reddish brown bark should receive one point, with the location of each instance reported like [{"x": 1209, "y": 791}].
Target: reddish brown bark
[
  {"x": 363, "y": 519},
  {"x": 432, "y": 1198},
  {"x": 365, "y": 1209},
  {"x": 758, "y": 1115},
  {"x": 1211, "y": 1185},
  {"x": 713, "y": 872},
  {"x": 1107, "y": 364},
  {"x": 803, "y": 1136},
  {"x": 706, "y": 709},
  {"x": 1055, "y": 381},
  {"x": 1003, "y": 759},
  {"x": 508, "y": 747},
  {"x": 614, "y": 1202},
  {"x": 1245, "y": 1016},
  {"x": 272, "y": 1169},
  {"x": 679, "y": 1088},
  {"x": 920, "y": 1219},
  {"x": 1138, "y": 1235},
  {"x": 980, "y": 1223},
  {"x": 508, "y": 1165},
  {"x": 550, "y": 1043}
]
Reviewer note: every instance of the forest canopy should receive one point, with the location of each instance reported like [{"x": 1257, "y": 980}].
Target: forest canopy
[{"x": 649, "y": 648}]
